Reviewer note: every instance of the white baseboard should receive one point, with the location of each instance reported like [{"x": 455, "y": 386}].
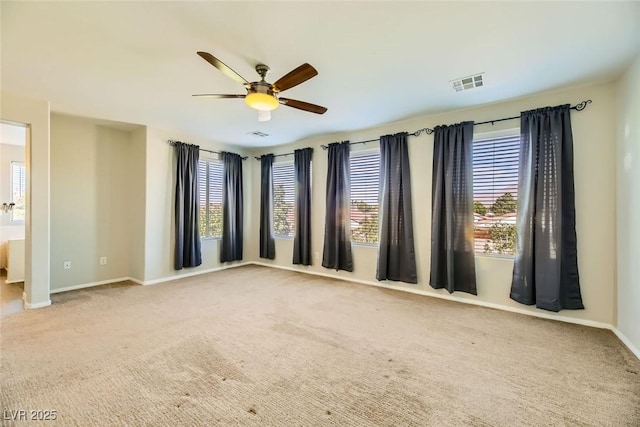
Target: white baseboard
[
  {"x": 88, "y": 285},
  {"x": 30, "y": 306},
  {"x": 626, "y": 342},
  {"x": 146, "y": 282},
  {"x": 190, "y": 274},
  {"x": 542, "y": 314}
]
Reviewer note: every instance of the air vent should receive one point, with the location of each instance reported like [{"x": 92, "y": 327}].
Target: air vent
[
  {"x": 469, "y": 82},
  {"x": 258, "y": 134}
]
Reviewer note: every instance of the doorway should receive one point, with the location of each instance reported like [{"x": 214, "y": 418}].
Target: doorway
[{"x": 13, "y": 199}]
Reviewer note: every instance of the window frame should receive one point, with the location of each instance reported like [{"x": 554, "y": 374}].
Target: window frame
[
  {"x": 503, "y": 133},
  {"x": 352, "y": 154},
  {"x": 23, "y": 184},
  {"x": 207, "y": 191}
]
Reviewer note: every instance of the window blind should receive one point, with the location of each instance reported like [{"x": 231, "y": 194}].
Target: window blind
[
  {"x": 210, "y": 197},
  {"x": 283, "y": 199},
  {"x": 365, "y": 174},
  {"x": 495, "y": 193}
]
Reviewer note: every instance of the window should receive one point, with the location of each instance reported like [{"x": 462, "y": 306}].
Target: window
[
  {"x": 18, "y": 190},
  {"x": 210, "y": 195},
  {"x": 283, "y": 199},
  {"x": 495, "y": 194},
  {"x": 365, "y": 173}
]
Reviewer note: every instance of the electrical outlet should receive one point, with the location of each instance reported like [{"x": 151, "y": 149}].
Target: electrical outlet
[
  {"x": 67, "y": 265},
  {"x": 316, "y": 255},
  {"x": 103, "y": 260}
]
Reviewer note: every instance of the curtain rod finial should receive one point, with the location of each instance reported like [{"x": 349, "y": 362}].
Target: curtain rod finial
[{"x": 583, "y": 105}]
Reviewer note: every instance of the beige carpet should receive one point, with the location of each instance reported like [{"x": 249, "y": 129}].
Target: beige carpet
[{"x": 263, "y": 347}]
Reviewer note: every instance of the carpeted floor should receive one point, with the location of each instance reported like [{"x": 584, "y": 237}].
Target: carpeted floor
[{"x": 264, "y": 347}]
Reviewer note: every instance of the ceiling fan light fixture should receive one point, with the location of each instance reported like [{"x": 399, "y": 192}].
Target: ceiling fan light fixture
[
  {"x": 261, "y": 101},
  {"x": 264, "y": 116}
]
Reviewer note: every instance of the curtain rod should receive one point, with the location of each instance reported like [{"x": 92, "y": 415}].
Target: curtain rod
[
  {"x": 276, "y": 155},
  {"x": 173, "y": 143},
  {"x": 578, "y": 107}
]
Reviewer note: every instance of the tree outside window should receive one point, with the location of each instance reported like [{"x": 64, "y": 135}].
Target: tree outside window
[
  {"x": 282, "y": 224},
  {"x": 365, "y": 217}
]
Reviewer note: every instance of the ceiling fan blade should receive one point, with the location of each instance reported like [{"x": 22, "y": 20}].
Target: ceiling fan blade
[
  {"x": 223, "y": 67},
  {"x": 214, "y": 95},
  {"x": 295, "y": 77},
  {"x": 301, "y": 105}
]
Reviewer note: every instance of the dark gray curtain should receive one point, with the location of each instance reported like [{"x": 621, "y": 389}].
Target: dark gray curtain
[
  {"x": 232, "y": 207},
  {"x": 452, "y": 252},
  {"x": 302, "y": 239},
  {"x": 267, "y": 244},
  {"x": 545, "y": 272},
  {"x": 396, "y": 255},
  {"x": 337, "y": 226},
  {"x": 186, "y": 207}
]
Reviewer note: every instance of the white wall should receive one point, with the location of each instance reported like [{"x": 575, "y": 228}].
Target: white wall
[
  {"x": 113, "y": 195},
  {"x": 594, "y": 136},
  {"x": 90, "y": 213},
  {"x": 628, "y": 205},
  {"x": 159, "y": 224},
  {"x": 9, "y": 230},
  {"x": 137, "y": 165},
  {"x": 35, "y": 113}
]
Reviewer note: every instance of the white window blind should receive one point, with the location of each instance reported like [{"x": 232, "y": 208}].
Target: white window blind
[
  {"x": 365, "y": 174},
  {"x": 284, "y": 193},
  {"x": 495, "y": 194},
  {"x": 18, "y": 190},
  {"x": 210, "y": 197}
]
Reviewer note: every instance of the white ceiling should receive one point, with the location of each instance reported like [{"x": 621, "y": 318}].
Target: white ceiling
[{"x": 378, "y": 62}]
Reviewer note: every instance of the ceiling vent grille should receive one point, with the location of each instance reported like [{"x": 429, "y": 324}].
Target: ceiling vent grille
[
  {"x": 258, "y": 134},
  {"x": 467, "y": 83}
]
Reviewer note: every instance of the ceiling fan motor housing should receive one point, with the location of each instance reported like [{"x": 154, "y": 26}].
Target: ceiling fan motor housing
[{"x": 262, "y": 70}]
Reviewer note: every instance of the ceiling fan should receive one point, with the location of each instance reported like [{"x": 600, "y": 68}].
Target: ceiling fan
[{"x": 262, "y": 95}]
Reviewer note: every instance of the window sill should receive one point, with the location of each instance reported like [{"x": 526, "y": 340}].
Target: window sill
[
  {"x": 367, "y": 245},
  {"x": 210, "y": 238},
  {"x": 496, "y": 256},
  {"x": 284, "y": 237}
]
